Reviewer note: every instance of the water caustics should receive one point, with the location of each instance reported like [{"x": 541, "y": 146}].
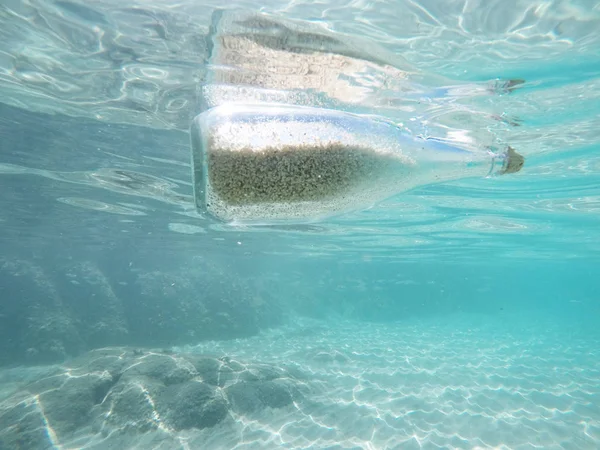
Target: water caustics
[
  {"x": 414, "y": 188},
  {"x": 462, "y": 78}
]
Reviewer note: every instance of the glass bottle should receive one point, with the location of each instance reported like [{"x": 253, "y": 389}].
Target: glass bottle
[{"x": 280, "y": 163}]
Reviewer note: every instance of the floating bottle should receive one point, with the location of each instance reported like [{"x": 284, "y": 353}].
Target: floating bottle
[{"x": 279, "y": 163}]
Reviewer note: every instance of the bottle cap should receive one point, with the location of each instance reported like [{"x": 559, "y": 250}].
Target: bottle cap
[{"x": 513, "y": 162}]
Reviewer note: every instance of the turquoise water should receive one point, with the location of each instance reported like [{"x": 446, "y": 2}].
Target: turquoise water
[{"x": 453, "y": 315}]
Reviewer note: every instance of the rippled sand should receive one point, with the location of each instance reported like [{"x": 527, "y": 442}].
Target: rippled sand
[{"x": 468, "y": 382}]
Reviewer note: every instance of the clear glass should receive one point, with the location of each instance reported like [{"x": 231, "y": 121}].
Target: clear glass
[{"x": 271, "y": 163}]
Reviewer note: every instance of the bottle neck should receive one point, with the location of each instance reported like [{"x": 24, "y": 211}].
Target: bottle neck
[
  {"x": 452, "y": 163},
  {"x": 431, "y": 152}
]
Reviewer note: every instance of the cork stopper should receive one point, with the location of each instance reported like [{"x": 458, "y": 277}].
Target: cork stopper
[{"x": 514, "y": 161}]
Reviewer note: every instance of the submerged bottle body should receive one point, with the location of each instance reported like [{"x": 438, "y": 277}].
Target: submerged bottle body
[{"x": 277, "y": 163}]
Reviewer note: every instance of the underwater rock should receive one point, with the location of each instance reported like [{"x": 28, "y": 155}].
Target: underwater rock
[
  {"x": 88, "y": 294},
  {"x": 196, "y": 301},
  {"x": 117, "y": 395},
  {"x": 57, "y": 405},
  {"x": 165, "y": 368},
  {"x": 130, "y": 406},
  {"x": 67, "y": 399},
  {"x": 48, "y": 315},
  {"x": 192, "y": 405},
  {"x": 24, "y": 426},
  {"x": 209, "y": 369},
  {"x": 35, "y": 325}
]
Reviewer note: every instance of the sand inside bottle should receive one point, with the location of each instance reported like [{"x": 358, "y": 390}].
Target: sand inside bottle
[{"x": 271, "y": 173}]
